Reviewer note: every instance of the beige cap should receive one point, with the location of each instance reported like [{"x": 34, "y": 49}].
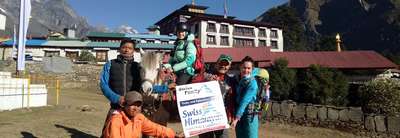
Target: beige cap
[{"x": 132, "y": 97}]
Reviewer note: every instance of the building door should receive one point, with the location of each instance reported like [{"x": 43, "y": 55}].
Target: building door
[
  {"x": 73, "y": 55},
  {"x": 51, "y": 53},
  {"x": 101, "y": 56}
]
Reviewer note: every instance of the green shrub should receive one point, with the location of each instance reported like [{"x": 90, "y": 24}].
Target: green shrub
[
  {"x": 86, "y": 56},
  {"x": 320, "y": 85},
  {"x": 381, "y": 96},
  {"x": 282, "y": 80}
]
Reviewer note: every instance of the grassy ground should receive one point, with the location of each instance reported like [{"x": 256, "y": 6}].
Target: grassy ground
[{"x": 68, "y": 120}]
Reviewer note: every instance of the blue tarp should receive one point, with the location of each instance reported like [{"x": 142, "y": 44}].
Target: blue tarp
[{"x": 30, "y": 42}]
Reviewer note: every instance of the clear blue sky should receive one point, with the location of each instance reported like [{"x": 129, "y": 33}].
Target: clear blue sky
[{"x": 142, "y": 13}]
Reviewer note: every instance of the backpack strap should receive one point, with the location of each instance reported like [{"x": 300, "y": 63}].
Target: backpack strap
[
  {"x": 252, "y": 109},
  {"x": 185, "y": 47},
  {"x": 261, "y": 87},
  {"x": 246, "y": 85}
]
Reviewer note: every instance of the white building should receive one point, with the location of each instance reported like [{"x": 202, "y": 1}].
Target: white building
[
  {"x": 216, "y": 31},
  {"x": 104, "y": 46}
]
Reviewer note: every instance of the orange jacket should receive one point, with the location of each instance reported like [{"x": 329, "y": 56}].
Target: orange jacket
[{"x": 120, "y": 126}]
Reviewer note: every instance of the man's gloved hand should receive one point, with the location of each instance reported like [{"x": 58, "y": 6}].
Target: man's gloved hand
[
  {"x": 172, "y": 86},
  {"x": 179, "y": 135},
  {"x": 147, "y": 87},
  {"x": 121, "y": 101}
]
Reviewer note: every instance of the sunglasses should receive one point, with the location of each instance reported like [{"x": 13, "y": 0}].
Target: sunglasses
[{"x": 223, "y": 63}]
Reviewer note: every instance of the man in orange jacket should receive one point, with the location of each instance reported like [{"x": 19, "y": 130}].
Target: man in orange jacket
[{"x": 131, "y": 123}]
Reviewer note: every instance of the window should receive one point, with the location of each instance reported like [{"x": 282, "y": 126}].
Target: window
[
  {"x": 262, "y": 43},
  {"x": 51, "y": 53},
  {"x": 101, "y": 56},
  {"x": 243, "y": 42},
  {"x": 261, "y": 33},
  {"x": 150, "y": 41},
  {"x": 164, "y": 42},
  {"x": 274, "y": 44},
  {"x": 243, "y": 31},
  {"x": 211, "y": 39},
  {"x": 274, "y": 34},
  {"x": 211, "y": 27},
  {"x": 196, "y": 29},
  {"x": 224, "y": 41},
  {"x": 224, "y": 29},
  {"x": 73, "y": 55}
]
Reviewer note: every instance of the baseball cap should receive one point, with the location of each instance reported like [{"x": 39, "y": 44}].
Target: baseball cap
[
  {"x": 132, "y": 97},
  {"x": 225, "y": 57}
]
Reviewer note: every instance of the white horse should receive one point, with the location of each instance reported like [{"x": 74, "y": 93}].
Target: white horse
[
  {"x": 151, "y": 63},
  {"x": 154, "y": 105}
]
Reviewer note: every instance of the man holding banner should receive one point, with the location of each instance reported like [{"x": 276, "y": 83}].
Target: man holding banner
[{"x": 226, "y": 82}]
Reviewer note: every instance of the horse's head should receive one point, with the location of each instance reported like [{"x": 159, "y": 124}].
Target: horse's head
[{"x": 151, "y": 62}]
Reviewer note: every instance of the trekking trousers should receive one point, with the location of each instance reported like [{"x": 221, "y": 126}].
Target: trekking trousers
[{"x": 247, "y": 127}]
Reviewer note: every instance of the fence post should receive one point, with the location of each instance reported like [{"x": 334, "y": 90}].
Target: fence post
[
  {"x": 57, "y": 91},
  {"x": 23, "y": 94},
  {"x": 29, "y": 89}
]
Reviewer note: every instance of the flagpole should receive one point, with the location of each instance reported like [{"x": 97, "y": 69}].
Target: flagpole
[
  {"x": 225, "y": 10},
  {"x": 14, "y": 41}
]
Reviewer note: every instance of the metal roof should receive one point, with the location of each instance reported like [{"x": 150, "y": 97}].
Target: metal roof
[
  {"x": 29, "y": 42},
  {"x": 102, "y": 34},
  {"x": 210, "y": 55},
  {"x": 140, "y": 45},
  {"x": 237, "y": 54},
  {"x": 333, "y": 59},
  {"x": 104, "y": 44},
  {"x": 132, "y": 36},
  {"x": 151, "y": 36},
  {"x": 66, "y": 43},
  {"x": 155, "y": 46}
]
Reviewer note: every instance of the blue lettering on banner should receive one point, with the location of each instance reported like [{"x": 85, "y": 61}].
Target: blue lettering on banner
[
  {"x": 195, "y": 101},
  {"x": 194, "y": 112},
  {"x": 191, "y": 121}
]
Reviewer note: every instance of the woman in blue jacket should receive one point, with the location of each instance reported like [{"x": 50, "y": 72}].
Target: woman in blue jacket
[{"x": 246, "y": 122}]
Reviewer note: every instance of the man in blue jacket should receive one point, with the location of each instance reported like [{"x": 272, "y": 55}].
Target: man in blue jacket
[{"x": 121, "y": 75}]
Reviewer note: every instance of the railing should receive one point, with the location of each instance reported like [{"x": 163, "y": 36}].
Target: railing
[
  {"x": 29, "y": 91},
  {"x": 53, "y": 85}
]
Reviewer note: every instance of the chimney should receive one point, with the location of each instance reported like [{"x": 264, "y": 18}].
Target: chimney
[
  {"x": 154, "y": 29},
  {"x": 69, "y": 32}
]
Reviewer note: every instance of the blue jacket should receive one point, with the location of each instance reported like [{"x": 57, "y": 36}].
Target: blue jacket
[
  {"x": 114, "y": 96},
  {"x": 246, "y": 93}
]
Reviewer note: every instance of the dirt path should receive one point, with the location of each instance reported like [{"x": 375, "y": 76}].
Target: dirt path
[{"x": 68, "y": 120}]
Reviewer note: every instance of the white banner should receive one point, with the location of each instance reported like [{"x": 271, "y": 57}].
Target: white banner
[
  {"x": 201, "y": 108},
  {"x": 2, "y": 22},
  {"x": 25, "y": 13}
]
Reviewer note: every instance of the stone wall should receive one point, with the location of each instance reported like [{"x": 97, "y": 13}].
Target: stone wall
[
  {"x": 351, "y": 119},
  {"x": 82, "y": 76}
]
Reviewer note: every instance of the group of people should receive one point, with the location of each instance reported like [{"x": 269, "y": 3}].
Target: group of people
[{"x": 121, "y": 80}]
